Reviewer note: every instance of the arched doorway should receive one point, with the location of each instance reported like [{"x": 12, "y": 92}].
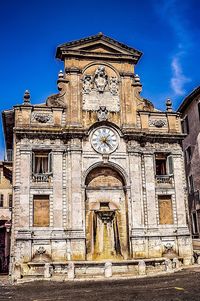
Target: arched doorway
[
  {"x": 106, "y": 215},
  {"x": 4, "y": 245}
]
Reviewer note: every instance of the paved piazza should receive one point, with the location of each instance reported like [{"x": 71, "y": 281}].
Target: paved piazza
[{"x": 184, "y": 285}]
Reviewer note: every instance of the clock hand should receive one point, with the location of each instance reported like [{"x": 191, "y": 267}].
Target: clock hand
[{"x": 110, "y": 145}]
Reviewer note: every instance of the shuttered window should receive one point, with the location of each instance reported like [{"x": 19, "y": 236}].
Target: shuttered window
[
  {"x": 41, "y": 211},
  {"x": 165, "y": 210},
  {"x": 41, "y": 162},
  {"x": 164, "y": 164},
  {"x": 170, "y": 167}
]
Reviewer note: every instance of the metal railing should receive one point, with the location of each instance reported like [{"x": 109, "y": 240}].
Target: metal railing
[
  {"x": 42, "y": 177},
  {"x": 164, "y": 179}
]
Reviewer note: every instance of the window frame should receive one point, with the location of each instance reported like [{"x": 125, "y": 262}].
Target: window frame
[
  {"x": 188, "y": 154},
  {"x": 49, "y": 156},
  {"x": 1, "y": 200},
  {"x": 169, "y": 164},
  {"x": 167, "y": 198},
  {"x": 10, "y": 200},
  {"x": 40, "y": 198},
  {"x": 191, "y": 184}
]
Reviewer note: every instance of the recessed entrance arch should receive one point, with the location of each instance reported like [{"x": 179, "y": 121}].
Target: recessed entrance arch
[{"x": 106, "y": 214}]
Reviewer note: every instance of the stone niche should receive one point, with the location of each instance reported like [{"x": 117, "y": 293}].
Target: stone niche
[
  {"x": 100, "y": 87},
  {"x": 106, "y": 218}
]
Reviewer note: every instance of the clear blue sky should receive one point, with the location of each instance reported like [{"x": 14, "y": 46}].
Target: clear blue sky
[{"x": 166, "y": 31}]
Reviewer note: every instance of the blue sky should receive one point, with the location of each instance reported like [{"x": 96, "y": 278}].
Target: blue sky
[{"x": 166, "y": 31}]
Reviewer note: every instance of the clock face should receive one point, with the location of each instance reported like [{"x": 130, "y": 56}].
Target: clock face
[{"x": 104, "y": 140}]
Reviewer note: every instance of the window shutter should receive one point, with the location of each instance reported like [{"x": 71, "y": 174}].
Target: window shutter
[
  {"x": 170, "y": 165},
  {"x": 33, "y": 162},
  {"x": 50, "y": 162}
]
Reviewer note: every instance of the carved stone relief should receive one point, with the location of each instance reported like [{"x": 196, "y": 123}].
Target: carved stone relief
[
  {"x": 100, "y": 89},
  {"x": 41, "y": 118},
  {"x": 100, "y": 79},
  {"x": 102, "y": 114},
  {"x": 159, "y": 123}
]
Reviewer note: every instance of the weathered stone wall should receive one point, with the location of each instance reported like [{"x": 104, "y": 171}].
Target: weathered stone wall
[{"x": 115, "y": 191}]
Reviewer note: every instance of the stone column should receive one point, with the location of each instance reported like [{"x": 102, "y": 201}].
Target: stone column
[
  {"x": 141, "y": 267},
  {"x": 73, "y": 97},
  {"x": 75, "y": 197},
  {"x": 57, "y": 189},
  {"x": 150, "y": 190},
  {"x": 108, "y": 269},
  {"x": 128, "y": 103},
  {"x": 179, "y": 189},
  {"x": 25, "y": 166},
  {"x": 168, "y": 265},
  {"x": 137, "y": 218},
  {"x": 47, "y": 273},
  {"x": 71, "y": 270},
  {"x": 75, "y": 202}
]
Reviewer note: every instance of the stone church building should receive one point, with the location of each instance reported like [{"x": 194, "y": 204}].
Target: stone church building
[{"x": 98, "y": 172}]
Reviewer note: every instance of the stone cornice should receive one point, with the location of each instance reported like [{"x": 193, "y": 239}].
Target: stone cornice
[
  {"x": 99, "y": 55},
  {"x": 129, "y": 134},
  {"x": 78, "y": 48},
  {"x": 144, "y": 137}
]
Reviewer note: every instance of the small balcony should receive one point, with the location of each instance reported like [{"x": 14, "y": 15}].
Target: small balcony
[
  {"x": 164, "y": 180},
  {"x": 42, "y": 177}
]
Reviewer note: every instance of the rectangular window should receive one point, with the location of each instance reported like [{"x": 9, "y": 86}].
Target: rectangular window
[
  {"x": 191, "y": 184},
  {"x": 10, "y": 200},
  {"x": 41, "y": 211},
  {"x": 41, "y": 162},
  {"x": 199, "y": 109},
  {"x": 183, "y": 126},
  {"x": 188, "y": 153},
  {"x": 187, "y": 129},
  {"x": 1, "y": 200},
  {"x": 42, "y": 166},
  {"x": 164, "y": 164},
  {"x": 165, "y": 210},
  {"x": 194, "y": 223}
]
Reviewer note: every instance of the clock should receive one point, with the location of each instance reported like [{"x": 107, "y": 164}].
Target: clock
[{"x": 104, "y": 140}]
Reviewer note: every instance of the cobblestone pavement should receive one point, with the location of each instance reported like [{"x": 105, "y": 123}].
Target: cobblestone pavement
[{"x": 184, "y": 285}]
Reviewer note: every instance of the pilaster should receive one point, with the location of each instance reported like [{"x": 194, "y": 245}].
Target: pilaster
[
  {"x": 150, "y": 189},
  {"x": 57, "y": 189}
]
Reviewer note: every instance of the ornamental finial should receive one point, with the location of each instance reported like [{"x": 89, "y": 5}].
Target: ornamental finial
[
  {"x": 137, "y": 78},
  {"x": 27, "y": 97},
  {"x": 60, "y": 74},
  {"x": 169, "y": 105}
]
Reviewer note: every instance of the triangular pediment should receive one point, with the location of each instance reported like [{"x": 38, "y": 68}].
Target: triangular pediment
[
  {"x": 98, "y": 44},
  {"x": 100, "y": 47}
]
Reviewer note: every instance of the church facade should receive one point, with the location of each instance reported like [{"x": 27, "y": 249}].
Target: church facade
[{"x": 98, "y": 172}]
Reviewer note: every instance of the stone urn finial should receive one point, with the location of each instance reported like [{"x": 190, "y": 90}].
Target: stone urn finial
[
  {"x": 169, "y": 105},
  {"x": 60, "y": 74},
  {"x": 27, "y": 97},
  {"x": 137, "y": 78}
]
